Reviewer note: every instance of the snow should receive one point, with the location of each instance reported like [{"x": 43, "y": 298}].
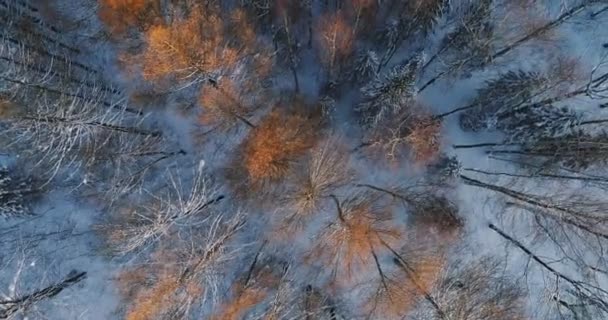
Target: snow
[{"x": 61, "y": 235}]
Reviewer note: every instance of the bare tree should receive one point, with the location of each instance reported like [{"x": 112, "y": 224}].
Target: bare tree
[
  {"x": 308, "y": 189},
  {"x": 474, "y": 290},
  {"x": 16, "y": 193},
  {"x": 62, "y": 132},
  {"x": 162, "y": 214},
  {"x": 11, "y": 306},
  {"x": 183, "y": 277},
  {"x": 575, "y": 297}
]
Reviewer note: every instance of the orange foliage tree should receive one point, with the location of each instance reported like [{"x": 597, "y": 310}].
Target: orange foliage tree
[
  {"x": 152, "y": 301},
  {"x": 272, "y": 147},
  {"x": 225, "y": 105},
  {"x": 204, "y": 45},
  {"x": 424, "y": 140},
  {"x": 257, "y": 284},
  {"x": 336, "y": 38},
  {"x": 120, "y": 15},
  {"x": 352, "y": 244},
  {"x": 180, "y": 277},
  {"x": 399, "y": 290},
  {"x": 245, "y": 299}
]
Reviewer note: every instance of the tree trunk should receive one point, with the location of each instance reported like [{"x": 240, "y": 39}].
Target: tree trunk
[{"x": 10, "y": 307}]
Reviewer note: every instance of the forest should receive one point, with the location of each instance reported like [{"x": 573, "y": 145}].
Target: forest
[{"x": 304, "y": 159}]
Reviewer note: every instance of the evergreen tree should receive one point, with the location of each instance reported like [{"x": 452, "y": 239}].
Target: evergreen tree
[
  {"x": 15, "y": 194},
  {"x": 502, "y": 94},
  {"x": 538, "y": 121},
  {"x": 387, "y": 95},
  {"x": 366, "y": 66}
]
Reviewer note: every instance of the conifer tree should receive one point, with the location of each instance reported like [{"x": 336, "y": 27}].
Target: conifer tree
[{"x": 385, "y": 96}]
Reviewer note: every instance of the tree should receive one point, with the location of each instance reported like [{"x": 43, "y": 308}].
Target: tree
[
  {"x": 365, "y": 66},
  {"x": 58, "y": 132},
  {"x": 412, "y": 132},
  {"x": 336, "y": 39},
  {"x": 182, "y": 276},
  {"x": 507, "y": 92},
  {"x": 475, "y": 290},
  {"x": 37, "y": 56},
  {"x": 162, "y": 214},
  {"x": 287, "y": 14},
  {"x": 410, "y": 18},
  {"x": 121, "y": 15},
  {"x": 386, "y": 96},
  {"x": 580, "y": 298},
  {"x": 575, "y": 150},
  {"x": 309, "y": 187},
  {"x": 180, "y": 52},
  {"x": 15, "y": 305},
  {"x": 224, "y": 105},
  {"x": 269, "y": 150},
  {"x": 407, "y": 284},
  {"x": 477, "y": 25},
  {"x": 352, "y": 243},
  {"x": 16, "y": 193},
  {"x": 469, "y": 45},
  {"x": 574, "y": 226}
]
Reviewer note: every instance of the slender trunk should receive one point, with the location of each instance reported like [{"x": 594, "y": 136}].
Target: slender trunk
[
  {"x": 553, "y": 24},
  {"x": 78, "y": 96},
  {"x": 443, "y": 115},
  {"x": 533, "y": 256},
  {"x": 253, "y": 263},
  {"x": 582, "y": 123},
  {"x": 480, "y": 145},
  {"x": 387, "y": 191},
  {"x": 44, "y": 37},
  {"x": 541, "y": 168},
  {"x": 102, "y": 125},
  {"x": 597, "y": 13},
  {"x": 537, "y": 175},
  {"x": 561, "y": 214},
  {"x": 42, "y": 71},
  {"x": 10, "y": 307},
  {"x": 411, "y": 272},
  {"x": 434, "y": 57},
  {"x": 339, "y": 208},
  {"x": 51, "y": 55},
  {"x": 433, "y": 80},
  {"x": 292, "y": 61},
  {"x": 309, "y": 21}
]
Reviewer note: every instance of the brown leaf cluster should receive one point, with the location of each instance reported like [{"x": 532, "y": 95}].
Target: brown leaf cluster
[
  {"x": 7, "y": 109},
  {"x": 120, "y": 15},
  {"x": 279, "y": 140},
  {"x": 222, "y": 105},
  {"x": 400, "y": 290},
  {"x": 204, "y": 43},
  {"x": 349, "y": 244},
  {"x": 246, "y": 299},
  {"x": 336, "y": 38},
  {"x": 151, "y": 302},
  {"x": 424, "y": 140}
]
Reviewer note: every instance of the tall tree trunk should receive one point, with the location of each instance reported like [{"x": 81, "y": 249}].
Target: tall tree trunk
[{"x": 12, "y": 306}]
